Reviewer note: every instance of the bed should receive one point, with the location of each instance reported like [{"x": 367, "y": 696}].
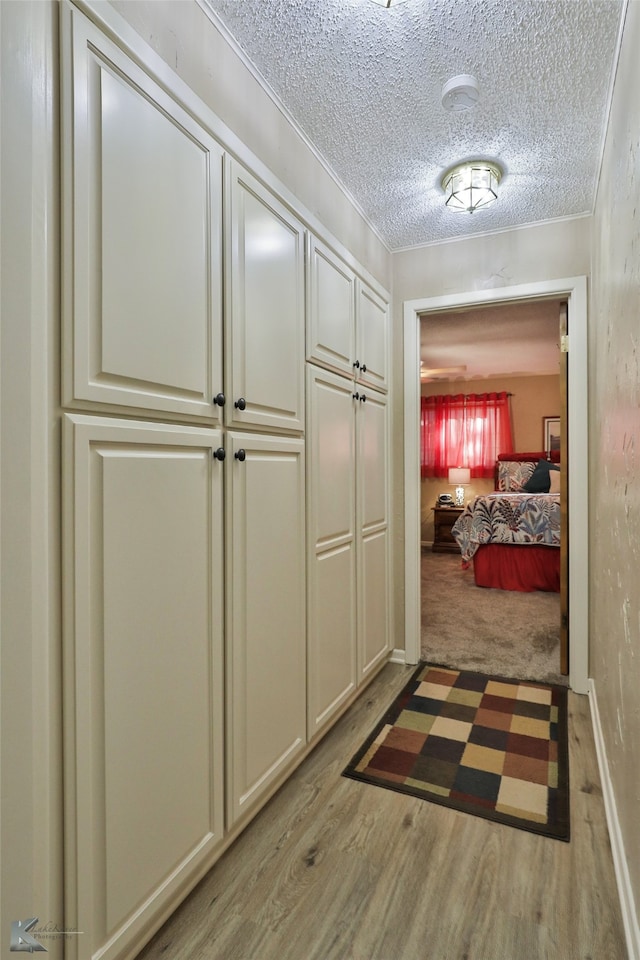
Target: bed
[{"x": 512, "y": 536}]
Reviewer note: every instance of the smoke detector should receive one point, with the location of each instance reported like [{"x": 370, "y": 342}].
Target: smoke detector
[{"x": 460, "y": 93}]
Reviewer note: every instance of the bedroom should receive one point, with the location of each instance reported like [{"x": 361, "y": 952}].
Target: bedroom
[{"x": 459, "y": 356}]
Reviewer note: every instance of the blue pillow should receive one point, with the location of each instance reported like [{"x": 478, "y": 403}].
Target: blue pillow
[{"x": 540, "y": 481}]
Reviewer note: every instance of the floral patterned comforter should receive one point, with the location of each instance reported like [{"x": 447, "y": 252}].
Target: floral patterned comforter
[{"x": 508, "y": 518}]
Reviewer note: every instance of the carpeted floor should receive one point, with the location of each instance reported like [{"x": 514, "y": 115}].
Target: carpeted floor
[
  {"x": 491, "y": 747},
  {"x": 499, "y": 632}
]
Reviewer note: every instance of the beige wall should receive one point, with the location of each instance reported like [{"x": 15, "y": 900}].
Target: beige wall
[
  {"x": 614, "y": 348},
  {"x": 532, "y": 398},
  {"x": 186, "y": 39}
]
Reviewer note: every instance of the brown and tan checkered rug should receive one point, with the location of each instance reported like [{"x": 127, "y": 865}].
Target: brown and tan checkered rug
[{"x": 487, "y": 746}]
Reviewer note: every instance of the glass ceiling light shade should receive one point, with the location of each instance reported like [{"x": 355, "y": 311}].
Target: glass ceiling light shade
[{"x": 471, "y": 186}]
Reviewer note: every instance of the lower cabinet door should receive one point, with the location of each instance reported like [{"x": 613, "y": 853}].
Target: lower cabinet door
[
  {"x": 331, "y": 570},
  {"x": 265, "y": 631},
  {"x": 143, "y": 681},
  {"x": 374, "y": 575}
]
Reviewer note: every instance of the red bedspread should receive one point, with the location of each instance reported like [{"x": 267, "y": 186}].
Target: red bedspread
[{"x": 513, "y": 567}]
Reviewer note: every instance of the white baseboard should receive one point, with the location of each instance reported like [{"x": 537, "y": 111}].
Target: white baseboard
[
  {"x": 625, "y": 890},
  {"x": 399, "y": 655}
]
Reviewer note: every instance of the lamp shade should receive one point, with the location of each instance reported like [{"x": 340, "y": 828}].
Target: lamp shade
[
  {"x": 471, "y": 186},
  {"x": 459, "y": 476}
]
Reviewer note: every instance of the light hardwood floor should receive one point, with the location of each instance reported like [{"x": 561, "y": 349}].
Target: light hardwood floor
[{"x": 333, "y": 869}]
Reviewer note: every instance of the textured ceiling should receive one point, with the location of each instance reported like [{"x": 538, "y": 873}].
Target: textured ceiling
[
  {"x": 364, "y": 84},
  {"x": 514, "y": 340}
]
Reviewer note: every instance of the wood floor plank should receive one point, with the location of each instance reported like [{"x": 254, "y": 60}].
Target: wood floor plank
[{"x": 334, "y": 869}]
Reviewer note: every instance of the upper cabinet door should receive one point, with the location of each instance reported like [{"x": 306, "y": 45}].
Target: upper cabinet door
[
  {"x": 331, "y": 310},
  {"x": 142, "y": 214},
  {"x": 372, "y": 349},
  {"x": 264, "y": 307}
]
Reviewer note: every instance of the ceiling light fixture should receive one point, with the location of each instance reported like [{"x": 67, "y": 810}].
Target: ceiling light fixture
[
  {"x": 472, "y": 185},
  {"x": 387, "y": 3}
]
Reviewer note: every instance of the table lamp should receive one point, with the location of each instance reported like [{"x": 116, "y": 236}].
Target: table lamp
[{"x": 459, "y": 477}]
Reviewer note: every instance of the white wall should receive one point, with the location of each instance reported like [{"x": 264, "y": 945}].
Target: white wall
[
  {"x": 614, "y": 415},
  {"x": 544, "y": 252}
]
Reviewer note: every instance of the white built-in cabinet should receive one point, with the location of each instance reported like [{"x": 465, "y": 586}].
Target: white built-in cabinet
[
  {"x": 194, "y": 674},
  {"x": 185, "y": 620},
  {"x": 347, "y": 321},
  {"x": 348, "y": 529}
]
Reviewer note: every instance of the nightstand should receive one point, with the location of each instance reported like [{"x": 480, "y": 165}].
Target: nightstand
[{"x": 443, "y": 519}]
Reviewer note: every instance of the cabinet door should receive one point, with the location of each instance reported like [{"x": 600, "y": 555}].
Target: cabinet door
[
  {"x": 331, "y": 312},
  {"x": 142, "y": 218},
  {"x": 264, "y": 308},
  {"x": 331, "y": 570},
  {"x": 265, "y": 631},
  {"x": 143, "y": 671},
  {"x": 374, "y": 578},
  {"x": 372, "y": 326}
]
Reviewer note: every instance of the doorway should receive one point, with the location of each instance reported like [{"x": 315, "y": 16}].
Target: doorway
[{"x": 574, "y": 291}]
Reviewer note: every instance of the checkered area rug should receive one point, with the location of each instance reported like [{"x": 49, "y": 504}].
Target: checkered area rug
[{"x": 487, "y": 746}]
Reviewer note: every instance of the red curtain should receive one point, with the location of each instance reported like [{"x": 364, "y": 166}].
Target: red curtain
[{"x": 464, "y": 431}]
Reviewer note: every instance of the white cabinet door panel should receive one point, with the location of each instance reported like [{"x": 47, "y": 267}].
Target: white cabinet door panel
[
  {"x": 265, "y": 633},
  {"x": 331, "y": 621},
  {"x": 374, "y": 555},
  {"x": 372, "y": 325},
  {"x": 144, "y": 668},
  {"x": 373, "y": 467},
  {"x": 142, "y": 231},
  {"x": 373, "y": 585},
  {"x": 265, "y": 324},
  {"x": 331, "y": 310}
]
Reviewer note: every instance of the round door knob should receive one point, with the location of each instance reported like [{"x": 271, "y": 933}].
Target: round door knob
[
  {"x": 240, "y": 404},
  {"x": 220, "y": 453},
  {"x": 219, "y": 399},
  {"x": 240, "y": 455}
]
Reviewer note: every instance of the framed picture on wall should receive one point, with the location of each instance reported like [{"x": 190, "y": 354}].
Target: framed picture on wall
[{"x": 551, "y": 434}]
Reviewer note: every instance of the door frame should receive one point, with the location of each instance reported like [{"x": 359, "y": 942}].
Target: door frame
[{"x": 574, "y": 290}]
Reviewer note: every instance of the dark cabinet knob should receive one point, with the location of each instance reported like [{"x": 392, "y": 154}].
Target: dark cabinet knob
[
  {"x": 220, "y": 453},
  {"x": 356, "y": 364},
  {"x": 356, "y": 396},
  {"x": 363, "y": 398},
  {"x": 240, "y": 455},
  {"x": 240, "y": 404},
  {"x": 363, "y": 368},
  {"x": 219, "y": 399}
]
